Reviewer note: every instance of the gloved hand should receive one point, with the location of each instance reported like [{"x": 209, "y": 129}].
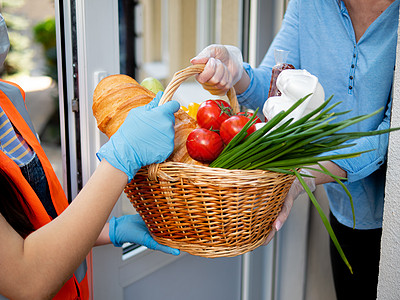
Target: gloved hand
[
  {"x": 224, "y": 68},
  {"x": 132, "y": 229},
  {"x": 145, "y": 137},
  {"x": 295, "y": 191}
]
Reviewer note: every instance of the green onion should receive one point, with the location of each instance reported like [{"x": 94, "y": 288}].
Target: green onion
[
  {"x": 324, "y": 220},
  {"x": 292, "y": 145}
]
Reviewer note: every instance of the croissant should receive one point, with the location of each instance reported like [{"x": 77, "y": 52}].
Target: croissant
[{"x": 116, "y": 95}]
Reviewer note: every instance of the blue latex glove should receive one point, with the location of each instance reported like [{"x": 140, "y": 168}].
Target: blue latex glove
[
  {"x": 132, "y": 229},
  {"x": 145, "y": 137}
]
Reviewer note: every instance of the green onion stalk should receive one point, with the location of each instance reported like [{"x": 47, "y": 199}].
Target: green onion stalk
[{"x": 286, "y": 146}]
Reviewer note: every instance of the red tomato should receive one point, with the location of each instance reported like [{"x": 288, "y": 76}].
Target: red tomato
[
  {"x": 232, "y": 127},
  {"x": 212, "y": 113},
  {"x": 249, "y": 115},
  {"x": 226, "y": 104},
  {"x": 204, "y": 145}
]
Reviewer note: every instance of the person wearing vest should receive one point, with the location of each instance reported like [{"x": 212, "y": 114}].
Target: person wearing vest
[{"x": 44, "y": 240}]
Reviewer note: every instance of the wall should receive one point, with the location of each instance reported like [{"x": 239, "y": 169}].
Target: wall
[{"x": 389, "y": 271}]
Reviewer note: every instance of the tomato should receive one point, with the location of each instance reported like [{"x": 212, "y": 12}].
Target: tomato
[
  {"x": 232, "y": 126},
  {"x": 249, "y": 115},
  {"x": 212, "y": 113},
  {"x": 204, "y": 145},
  {"x": 226, "y": 104}
]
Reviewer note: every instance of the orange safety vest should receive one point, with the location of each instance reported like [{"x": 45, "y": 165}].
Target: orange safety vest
[{"x": 77, "y": 286}]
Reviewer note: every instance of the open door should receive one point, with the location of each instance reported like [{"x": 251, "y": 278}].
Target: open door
[{"x": 156, "y": 38}]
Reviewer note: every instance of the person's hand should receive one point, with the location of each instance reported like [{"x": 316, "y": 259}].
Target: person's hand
[
  {"x": 132, "y": 229},
  {"x": 145, "y": 137},
  {"x": 224, "y": 68},
  {"x": 295, "y": 191}
]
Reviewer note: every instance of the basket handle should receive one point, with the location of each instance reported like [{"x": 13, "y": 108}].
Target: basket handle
[
  {"x": 169, "y": 91},
  {"x": 184, "y": 74}
]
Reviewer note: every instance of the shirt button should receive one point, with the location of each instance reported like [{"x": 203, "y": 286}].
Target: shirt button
[
  {"x": 354, "y": 55},
  {"x": 350, "y": 87},
  {"x": 351, "y": 77},
  {"x": 352, "y": 66}
]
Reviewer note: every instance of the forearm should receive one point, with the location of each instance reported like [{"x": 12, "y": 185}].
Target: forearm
[
  {"x": 243, "y": 83},
  {"x": 50, "y": 255},
  {"x": 365, "y": 164},
  {"x": 255, "y": 83},
  {"x": 321, "y": 178},
  {"x": 104, "y": 237}
]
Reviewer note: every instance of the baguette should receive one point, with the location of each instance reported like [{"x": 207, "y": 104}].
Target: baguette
[{"x": 116, "y": 95}]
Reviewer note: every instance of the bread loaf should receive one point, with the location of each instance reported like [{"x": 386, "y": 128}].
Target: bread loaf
[{"x": 116, "y": 95}]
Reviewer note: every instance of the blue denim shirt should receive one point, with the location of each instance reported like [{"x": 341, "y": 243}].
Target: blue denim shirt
[{"x": 321, "y": 39}]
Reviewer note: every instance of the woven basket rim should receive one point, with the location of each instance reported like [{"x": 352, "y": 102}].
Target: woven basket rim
[
  {"x": 167, "y": 170},
  {"x": 211, "y": 169}
]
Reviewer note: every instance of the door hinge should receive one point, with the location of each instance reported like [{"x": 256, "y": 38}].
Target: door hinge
[{"x": 75, "y": 105}]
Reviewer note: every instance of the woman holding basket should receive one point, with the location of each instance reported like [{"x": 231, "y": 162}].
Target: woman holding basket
[{"x": 350, "y": 46}]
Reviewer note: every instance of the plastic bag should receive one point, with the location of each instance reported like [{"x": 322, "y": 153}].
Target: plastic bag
[
  {"x": 295, "y": 84},
  {"x": 280, "y": 65}
]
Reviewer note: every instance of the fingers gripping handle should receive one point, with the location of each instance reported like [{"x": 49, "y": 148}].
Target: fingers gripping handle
[{"x": 180, "y": 76}]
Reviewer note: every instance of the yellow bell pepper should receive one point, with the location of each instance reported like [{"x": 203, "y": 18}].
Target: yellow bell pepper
[{"x": 192, "y": 109}]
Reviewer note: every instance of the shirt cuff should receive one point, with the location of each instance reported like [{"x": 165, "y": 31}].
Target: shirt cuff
[{"x": 244, "y": 98}]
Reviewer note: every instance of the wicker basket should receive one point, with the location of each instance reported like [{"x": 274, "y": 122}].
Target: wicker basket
[{"x": 209, "y": 212}]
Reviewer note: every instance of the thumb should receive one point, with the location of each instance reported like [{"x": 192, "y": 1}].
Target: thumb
[
  {"x": 172, "y": 106},
  {"x": 283, "y": 214},
  {"x": 154, "y": 245},
  {"x": 199, "y": 60},
  {"x": 270, "y": 236},
  {"x": 154, "y": 103}
]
